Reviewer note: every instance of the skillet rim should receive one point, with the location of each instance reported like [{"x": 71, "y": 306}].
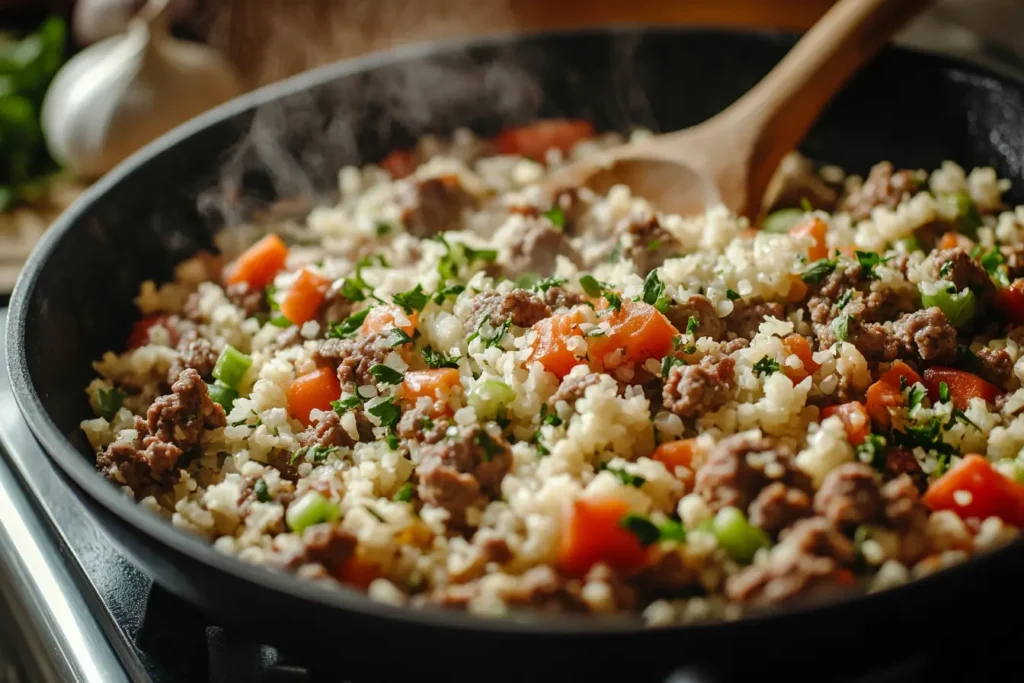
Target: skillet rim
[{"x": 58, "y": 448}]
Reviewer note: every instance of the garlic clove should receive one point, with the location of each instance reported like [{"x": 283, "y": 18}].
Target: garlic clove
[{"x": 116, "y": 96}]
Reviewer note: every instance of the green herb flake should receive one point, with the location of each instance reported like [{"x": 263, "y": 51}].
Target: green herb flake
[
  {"x": 376, "y": 515},
  {"x": 819, "y": 270},
  {"x": 915, "y": 397},
  {"x": 343, "y": 405},
  {"x": 928, "y": 437},
  {"x": 382, "y": 228},
  {"x": 448, "y": 292},
  {"x": 260, "y": 489},
  {"x": 109, "y": 401},
  {"x": 943, "y": 392},
  {"x": 348, "y": 326},
  {"x": 654, "y": 292},
  {"x": 692, "y": 324},
  {"x": 591, "y": 286},
  {"x": 841, "y": 327},
  {"x": 385, "y": 374},
  {"x": 992, "y": 262},
  {"x": 386, "y": 412},
  {"x": 547, "y": 283},
  {"x": 490, "y": 447},
  {"x": 945, "y": 269},
  {"x": 644, "y": 530},
  {"x": 806, "y": 205},
  {"x": 960, "y": 416},
  {"x": 667, "y": 363},
  {"x": 556, "y": 216},
  {"x": 653, "y": 246},
  {"x": 404, "y": 494},
  {"x": 868, "y": 260},
  {"x": 873, "y": 451},
  {"x": 844, "y": 299},
  {"x": 527, "y": 280},
  {"x": 436, "y": 359},
  {"x": 766, "y": 366},
  {"x": 398, "y": 337},
  {"x": 413, "y": 300},
  {"x": 732, "y": 294}
]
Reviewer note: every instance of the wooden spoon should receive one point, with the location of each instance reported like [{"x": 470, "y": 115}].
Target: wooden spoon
[{"x": 731, "y": 157}]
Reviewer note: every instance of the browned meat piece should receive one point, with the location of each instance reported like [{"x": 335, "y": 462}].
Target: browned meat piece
[
  {"x": 196, "y": 353},
  {"x": 665, "y": 574},
  {"x": 282, "y": 462},
  {"x": 542, "y": 589},
  {"x": 731, "y": 347},
  {"x": 251, "y": 301},
  {"x": 326, "y": 549},
  {"x": 701, "y": 308},
  {"x": 739, "y": 466},
  {"x": 536, "y": 249},
  {"x": 926, "y": 334},
  {"x": 573, "y": 388},
  {"x": 871, "y": 339},
  {"x": 568, "y": 201},
  {"x": 956, "y": 266},
  {"x": 353, "y": 358},
  {"x": 908, "y": 516},
  {"x": 796, "y": 181},
  {"x": 901, "y": 461},
  {"x": 522, "y": 307},
  {"x": 691, "y": 390},
  {"x": 650, "y": 245},
  {"x": 435, "y": 205},
  {"x": 849, "y": 496},
  {"x": 1014, "y": 261},
  {"x": 996, "y": 366},
  {"x": 147, "y": 471},
  {"x": 870, "y": 302},
  {"x": 336, "y": 306},
  {"x": 328, "y": 432},
  {"x": 777, "y": 506},
  {"x": 748, "y": 314},
  {"x": 182, "y": 416},
  {"x": 559, "y": 297},
  {"x": 417, "y": 425},
  {"x": 454, "y": 472},
  {"x": 883, "y": 187},
  {"x": 805, "y": 563}
]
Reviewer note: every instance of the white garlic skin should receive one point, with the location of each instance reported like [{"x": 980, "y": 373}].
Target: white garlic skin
[{"x": 116, "y": 96}]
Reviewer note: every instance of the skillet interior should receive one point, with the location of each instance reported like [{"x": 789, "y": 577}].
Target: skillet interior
[{"x": 74, "y": 300}]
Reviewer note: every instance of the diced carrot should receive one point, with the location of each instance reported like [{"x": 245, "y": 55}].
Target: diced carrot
[
  {"x": 973, "y": 488},
  {"x": 952, "y": 240},
  {"x": 258, "y": 264},
  {"x": 382, "y": 319},
  {"x": 855, "y": 419},
  {"x": 797, "y": 289},
  {"x": 400, "y": 163},
  {"x": 592, "y": 532},
  {"x": 797, "y": 346},
  {"x": 300, "y": 303},
  {"x": 535, "y": 139},
  {"x": 673, "y": 454},
  {"x": 428, "y": 383},
  {"x": 1010, "y": 301},
  {"x": 358, "y": 573},
  {"x": 886, "y": 393},
  {"x": 963, "y": 386},
  {"x": 139, "y": 336},
  {"x": 637, "y": 329},
  {"x": 550, "y": 348},
  {"x": 815, "y": 228},
  {"x": 314, "y": 390}
]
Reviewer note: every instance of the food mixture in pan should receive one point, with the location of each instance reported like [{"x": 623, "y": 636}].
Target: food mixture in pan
[{"x": 447, "y": 391}]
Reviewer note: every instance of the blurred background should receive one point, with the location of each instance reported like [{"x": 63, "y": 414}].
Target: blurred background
[{"x": 254, "y": 42}]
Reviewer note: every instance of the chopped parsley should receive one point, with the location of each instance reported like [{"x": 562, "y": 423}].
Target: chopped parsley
[
  {"x": 436, "y": 359},
  {"x": 316, "y": 453},
  {"x": 385, "y": 374},
  {"x": 495, "y": 339},
  {"x": 280, "y": 321},
  {"x": 959, "y": 416},
  {"x": 383, "y": 228},
  {"x": 991, "y": 262},
  {"x": 766, "y": 366},
  {"x": 806, "y": 205},
  {"x": 549, "y": 282},
  {"x": 398, "y": 337},
  {"x": 915, "y": 397},
  {"x": 819, "y": 270},
  {"x": 458, "y": 255},
  {"x": 732, "y": 294},
  {"x": 260, "y": 489},
  {"x": 549, "y": 418},
  {"x": 873, "y": 451},
  {"x": 448, "y": 292},
  {"x": 556, "y": 216},
  {"x": 392, "y": 441},
  {"x": 491, "y": 448},
  {"x": 928, "y": 437},
  {"x": 348, "y": 326},
  {"x": 654, "y": 292},
  {"x": 593, "y": 287},
  {"x": 945, "y": 269},
  {"x": 653, "y": 246},
  {"x": 109, "y": 401},
  {"x": 943, "y": 392},
  {"x": 644, "y": 529},
  {"x": 868, "y": 260},
  {"x": 404, "y": 494},
  {"x": 623, "y": 476},
  {"x": 844, "y": 299},
  {"x": 841, "y": 327},
  {"x": 385, "y": 411},
  {"x": 343, "y": 405},
  {"x": 667, "y": 363},
  {"x": 692, "y": 324},
  {"x": 413, "y": 300},
  {"x": 527, "y": 280}
]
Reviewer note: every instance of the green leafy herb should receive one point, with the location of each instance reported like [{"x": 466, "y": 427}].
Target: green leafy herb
[
  {"x": 928, "y": 437},
  {"x": 644, "y": 529},
  {"x": 547, "y": 283},
  {"x": 404, "y": 494},
  {"x": 392, "y": 441},
  {"x": 491, "y": 448},
  {"x": 458, "y": 255},
  {"x": 614, "y": 299},
  {"x": 873, "y": 451},
  {"x": 348, "y": 326},
  {"x": 385, "y": 374},
  {"x": 383, "y": 228},
  {"x": 819, "y": 270},
  {"x": 413, "y": 300},
  {"x": 615, "y": 254},
  {"x": 622, "y": 475},
  {"x": 779, "y": 222},
  {"x": 343, "y": 405},
  {"x": 653, "y": 246},
  {"x": 945, "y": 269},
  {"x": 315, "y": 453},
  {"x": 991, "y": 262},
  {"x": 844, "y": 299},
  {"x": 260, "y": 489},
  {"x": 448, "y": 292},
  {"x": 732, "y": 294},
  {"x": 495, "y": 339},
  {"x": 109, "y": 401},
  {"x": 385, "y": 411},
  {"x": 915, "y": 397},
  {"x": 591, "y": 286},
  {"x": 968, "y": 217},
  {"x": 654, "y": 292},
  {"x": 692, "y": 324},
  {"x": 436, "y": 359},
  {"x": 280, "y": 321},
  {"x": 667, "y": 364},
  {"x": 958, "y": 415},
  {"x": 766, "y": 366},
  {"x": 943, "y": 392},
  {"x": 868, "y": 260},
  {"x": 841, "y": 327},
  {"x": 556, "y": 216},
  {"x": 398, "y": 337},
  {"x": 806, "y": 205},
  {"x": 270, "y": 294},
  {"x": 352, "y": 288},
  {"x": 527, "y": 280}
]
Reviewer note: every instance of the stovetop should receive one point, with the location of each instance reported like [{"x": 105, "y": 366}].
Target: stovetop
[{"x": 85, "y": 613}]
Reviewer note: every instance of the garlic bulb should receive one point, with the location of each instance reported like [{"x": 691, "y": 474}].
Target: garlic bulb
[{"x": 123, "y": 92}]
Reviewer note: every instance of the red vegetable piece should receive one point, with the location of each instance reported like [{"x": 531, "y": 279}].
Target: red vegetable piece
[
  {"x": 963, "y": 386},
  {"x": 973, "y": 488}
]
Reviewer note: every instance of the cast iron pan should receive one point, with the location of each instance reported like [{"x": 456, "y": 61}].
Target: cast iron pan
[{"x": 74, "y": 301}]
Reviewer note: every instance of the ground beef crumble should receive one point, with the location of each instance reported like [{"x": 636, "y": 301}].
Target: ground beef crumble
[
  {"x": 748, "y": 314},
  {"x": 196, "y": 353},
  {"x": 353, "y": 358},
  {"x": 883, "y": 187},
  {"x": 536, "y": 249},
  {"x": 650, "y": 244},
  {"x": 435, "y": 205},
  {"x": 849, "y": 496},
  {"x": 521, "y": 307},
  {"x": 701, "y": 308},
  {"x": 691, "y": 390},
  {"x": 453, "y": 473}
]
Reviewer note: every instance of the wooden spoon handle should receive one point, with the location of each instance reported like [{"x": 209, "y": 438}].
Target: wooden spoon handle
[{"x": 784, "y": 105}]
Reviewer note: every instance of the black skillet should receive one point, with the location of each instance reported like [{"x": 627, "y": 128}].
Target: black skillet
[{"x": 74, "y": 301}]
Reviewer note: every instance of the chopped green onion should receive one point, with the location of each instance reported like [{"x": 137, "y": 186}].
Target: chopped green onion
[
  {"x": 766, "y": 366},
  {"x": 943, "y": 392},
  {"x": 260, "y": 489},
  {"x": 311, "y": 509},
  {"x": 231, "y": 367},
  {"x": 958, "y": 307},
  {"x": 556, "y": 216},
  {"x": 437, "y": 359},
  {"x": 109, "y": 402},
  {"x": 844, "y": 299},
  {"x": 222, "y": 395},
  {"x": 740, "y": 539},
  {"x": 692, "y": 324},
  {"x": 490, "y": 396},
  {"x": 672, "y": 531},
  {"x": 779, "y": 222},
  {"x": 404, "y": 494},
  {"x": 915, "y": 397}
]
